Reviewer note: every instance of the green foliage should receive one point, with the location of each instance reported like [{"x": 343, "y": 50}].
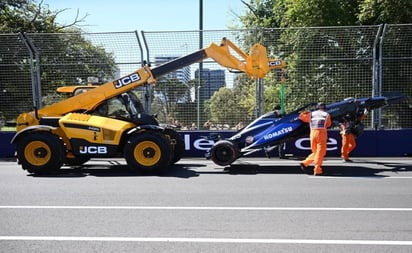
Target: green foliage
[
  {"x": 272, "y": 97},
  {"x": 27, "y": 16},
  {"x": 261, "y": 13},
  {"x": 244, "y": 92},
  {"x": 223, "y": 106},
  {"x": 312, "y": 13},
  {"x": 303, "y": 13},
  {"x": 65, "y": 58},
  {"x": 169, "y": 92},
  {"x": 299, "y": 13},
  {"x": 317, "y": 80},
  {"x": 374, "y": 12},
  {"x": 231, "y": 106}
]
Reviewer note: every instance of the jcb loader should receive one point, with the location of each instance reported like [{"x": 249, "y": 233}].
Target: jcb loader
[{"x": 86, "y": 126}]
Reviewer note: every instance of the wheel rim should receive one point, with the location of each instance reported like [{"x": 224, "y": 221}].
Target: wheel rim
[
  {"x": 147, "y": 153},
  {"x": 224, "y": 154},
  {"x": 37, "y": 153}
]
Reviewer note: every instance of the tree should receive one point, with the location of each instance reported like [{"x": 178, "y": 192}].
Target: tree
[
  {"x": 374, "y": 12},
  {"x": 231, "y": 106},
  {"x": 298, "y": 44},
  {"x": 312, "y": 13},
  {"x": 66, "y": 56},
  {"x": 261, "y": 14},
  {"x": 223, "y": 106},
  {"x": 317, "y": 53},
  {"x": 299, "y": 13},
  {"x": 76, "y": 59},
  {"x": 326, "y": 59},
  {"x": 29, "y": 16},
  {"x": 396, "y": 65},
  {"x": 170, "y": 92},
  {"x": 309, "y": 13}
]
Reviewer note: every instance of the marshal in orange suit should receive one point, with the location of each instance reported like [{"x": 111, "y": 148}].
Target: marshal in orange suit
[
  {"x": 348, "y": 140},
  {"x": 319, "y": 121}
]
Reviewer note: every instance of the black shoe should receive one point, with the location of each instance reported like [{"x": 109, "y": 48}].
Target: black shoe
[
  {"x": 347, "y": 161},
  {"x": 304, "y": 168}
]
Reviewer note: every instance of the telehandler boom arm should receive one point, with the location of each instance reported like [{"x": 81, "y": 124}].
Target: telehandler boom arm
[{"x": 256, "y": 65}]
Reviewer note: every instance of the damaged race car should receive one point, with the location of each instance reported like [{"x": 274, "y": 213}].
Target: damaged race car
[{"x": 269, "y": 130}]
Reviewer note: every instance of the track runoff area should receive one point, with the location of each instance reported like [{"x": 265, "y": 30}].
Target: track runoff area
[{"x": 374, "y": 191}]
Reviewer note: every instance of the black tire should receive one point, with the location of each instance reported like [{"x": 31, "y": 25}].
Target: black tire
[
  {"x": 148, "y": 152},
  {"x": 40, "y": 152},
  {"x": 177, "y": 143},
  {"x": 224, "y": 152}
]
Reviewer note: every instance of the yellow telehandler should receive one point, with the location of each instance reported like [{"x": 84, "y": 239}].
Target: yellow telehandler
[{"x": 109, "y": 120}]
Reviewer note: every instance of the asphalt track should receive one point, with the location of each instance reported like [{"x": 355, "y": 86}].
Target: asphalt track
[{"x": 256, "y": 205}]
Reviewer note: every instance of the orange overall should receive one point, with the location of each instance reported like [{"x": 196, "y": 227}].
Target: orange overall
[
  {"x": 348, "y": 140},
  {"x": 318, "y": 121}
]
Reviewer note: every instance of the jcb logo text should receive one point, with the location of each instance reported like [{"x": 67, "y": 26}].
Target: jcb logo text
[
  {"x": 126, "y": 80},
  {"x": 93, "y": 150}
]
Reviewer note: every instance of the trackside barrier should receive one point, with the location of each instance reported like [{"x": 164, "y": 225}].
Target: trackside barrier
[{"x": 372, "y": 143}]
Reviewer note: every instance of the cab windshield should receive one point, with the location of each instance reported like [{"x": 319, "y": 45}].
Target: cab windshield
[{"x": 126, "y": 105}]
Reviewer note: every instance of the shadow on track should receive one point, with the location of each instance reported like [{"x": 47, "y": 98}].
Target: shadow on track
[
  {"x": 120, "y": 170},
  {"x": 362, "y": 168},
  {"x": 356, "y": 169}
]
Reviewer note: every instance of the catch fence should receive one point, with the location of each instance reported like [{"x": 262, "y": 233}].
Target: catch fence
[{"x": 324, "y": 64}]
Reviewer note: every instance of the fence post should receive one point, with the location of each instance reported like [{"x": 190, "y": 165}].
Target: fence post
[
  {"x": 377, "y": 87},
  {"x": 34, "y": 70},
  {"x": 260, "y": 101},
  {"x": 147, "y": 88},
  {"x": 197, "y": 89},
  {"x": 260, "y": 96}
]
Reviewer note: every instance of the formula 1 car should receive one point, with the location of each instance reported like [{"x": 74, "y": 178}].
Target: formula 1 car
[{"x": 269, "y": 130}]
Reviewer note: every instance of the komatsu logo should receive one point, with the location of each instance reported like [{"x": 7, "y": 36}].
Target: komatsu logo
[
  {"x": 333, "y": 110},
  {"x": 93, "y": 150},
  {"x": 126, "y": 80},
  {"x": 277, "y": 133}
]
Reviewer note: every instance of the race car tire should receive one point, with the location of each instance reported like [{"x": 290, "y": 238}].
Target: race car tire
[{"x": 224, "y": 152}]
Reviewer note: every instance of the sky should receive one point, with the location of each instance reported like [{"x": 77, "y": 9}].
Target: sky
[{"x": 148, "y": 15}]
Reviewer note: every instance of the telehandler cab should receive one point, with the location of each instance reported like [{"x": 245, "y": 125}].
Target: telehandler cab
[{"x": 109, "y": 120}]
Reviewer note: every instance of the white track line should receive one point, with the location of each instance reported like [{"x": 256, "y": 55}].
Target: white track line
[
  {"x": 217, "y": 208},
  {"x": 358, "y": 177},
  {"x": 204, "y": 240}
]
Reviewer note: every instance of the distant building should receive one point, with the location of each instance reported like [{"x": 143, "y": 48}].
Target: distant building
[
  {"x": 182, "y": 74},
  {"x": 213, "y": 80}
]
